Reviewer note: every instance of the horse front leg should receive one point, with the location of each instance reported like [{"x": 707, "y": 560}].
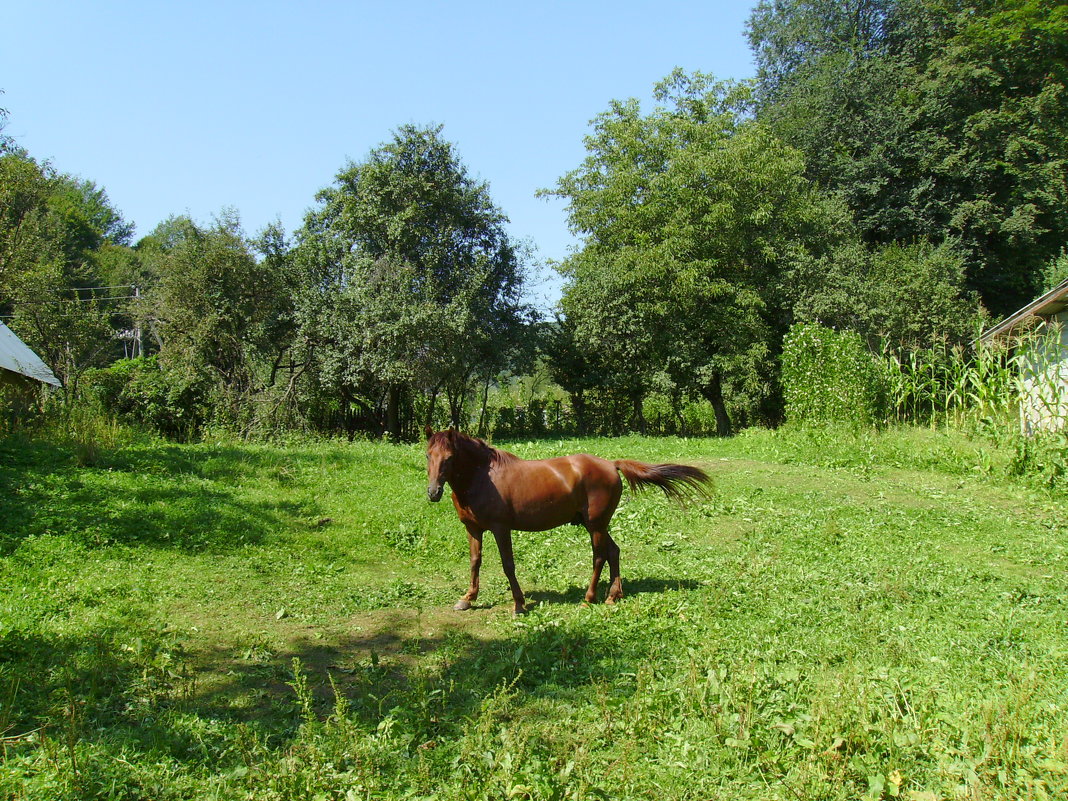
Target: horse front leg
[
  {"x": 504, "y": 545},
  {"x": 474, "y": 540}
]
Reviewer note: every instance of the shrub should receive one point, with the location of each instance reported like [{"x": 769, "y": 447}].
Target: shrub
[{"x": 142, "y": 392}]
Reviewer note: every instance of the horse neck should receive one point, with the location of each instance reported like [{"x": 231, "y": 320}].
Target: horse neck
[{"x": 472, "y": 458}]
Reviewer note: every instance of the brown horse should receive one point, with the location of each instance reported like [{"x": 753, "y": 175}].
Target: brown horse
[{"x": 496, "y": 491}]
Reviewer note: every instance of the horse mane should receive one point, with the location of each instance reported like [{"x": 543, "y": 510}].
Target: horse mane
[{"x": 474, "y": 450}]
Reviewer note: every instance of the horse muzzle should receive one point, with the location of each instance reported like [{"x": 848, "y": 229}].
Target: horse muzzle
[{"x": 435, "y": 493}]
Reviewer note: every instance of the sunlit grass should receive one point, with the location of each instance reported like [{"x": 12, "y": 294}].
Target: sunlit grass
[{"x": 853, "y": 615}]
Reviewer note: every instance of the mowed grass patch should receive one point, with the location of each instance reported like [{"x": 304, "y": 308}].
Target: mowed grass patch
[{"x": 849, "y": 616}]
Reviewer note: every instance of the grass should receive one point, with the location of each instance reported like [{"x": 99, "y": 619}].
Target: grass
[{"x": 852, "y": 616}]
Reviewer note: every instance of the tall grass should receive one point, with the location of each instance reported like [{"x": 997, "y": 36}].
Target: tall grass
[{"x": 953, "y": 386}]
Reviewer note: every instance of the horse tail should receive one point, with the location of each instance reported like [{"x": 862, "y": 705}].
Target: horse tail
[{"x": 678, "y": 481}]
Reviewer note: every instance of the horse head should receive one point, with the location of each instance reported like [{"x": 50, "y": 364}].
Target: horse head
[{"x": 440, "y": 459}]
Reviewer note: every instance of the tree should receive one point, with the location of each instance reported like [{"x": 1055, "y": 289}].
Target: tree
[
  {"x": 414, "y": 283},
  {"x": 54, "y": 230},
  {"x": 936, "y": 121},
  {"x": 911, "y": 296},
  {"x": 219, "y": 312},
  {"x": 690, "y": 216},
  {"x": 24, "y": 190},
  {"x": 793, "y": 38}
]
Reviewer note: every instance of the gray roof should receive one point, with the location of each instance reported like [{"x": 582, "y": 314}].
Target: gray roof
[
  {"x": 1053, "y": 302},
  {"x": 18, "y": 358}
]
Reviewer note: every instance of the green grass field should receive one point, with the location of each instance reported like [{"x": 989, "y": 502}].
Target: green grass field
[{"x": 876, "y": 616}]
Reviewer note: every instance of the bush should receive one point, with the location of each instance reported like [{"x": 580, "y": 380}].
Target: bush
[
  {"x": 142, "y": 392},
  {"x": 829, "y": 376}
]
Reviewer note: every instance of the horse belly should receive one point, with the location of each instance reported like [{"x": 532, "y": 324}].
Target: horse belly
[
  {"x": 543, "y": 518},
  {"x": 543, "y": 495}
]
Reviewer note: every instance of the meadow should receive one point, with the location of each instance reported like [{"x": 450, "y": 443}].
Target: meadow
[{"x": 851, "y": 616}]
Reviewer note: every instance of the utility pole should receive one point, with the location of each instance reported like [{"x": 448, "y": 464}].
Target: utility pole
[{"x": 138, "y": 347}]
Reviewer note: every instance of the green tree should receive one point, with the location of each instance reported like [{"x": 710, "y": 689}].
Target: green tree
[
  {"x": 54, "y": 230},
  {"x": 912, "y": 296},
  {"x": 690, "y": 216},
  {"x": 24, "y": 191},
  {"x": 935, "y": 121},
  {"x": 415, "y": 285},
  {"x": 220, "y": 314}
]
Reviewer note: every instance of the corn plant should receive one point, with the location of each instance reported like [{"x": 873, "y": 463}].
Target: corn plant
[{"x": 830, "y": 377}]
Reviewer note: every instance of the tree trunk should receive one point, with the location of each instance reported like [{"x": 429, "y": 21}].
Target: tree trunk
[
  {"x": 714, "y": 394},
  {"x": 637, "y": 418},
  {"x": 393, "y": 412},
  {"x": 578, "y": 406},
  {"x": 456, "y": 406},
  {"x": 433, "y": 405},
  {"x": 482, "y": 414}
]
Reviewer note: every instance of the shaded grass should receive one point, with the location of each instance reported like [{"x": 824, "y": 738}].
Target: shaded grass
[{"x": 851, "y": 616}]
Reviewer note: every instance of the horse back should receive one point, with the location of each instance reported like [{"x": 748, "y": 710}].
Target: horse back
[{"x": 540, "y": 494}]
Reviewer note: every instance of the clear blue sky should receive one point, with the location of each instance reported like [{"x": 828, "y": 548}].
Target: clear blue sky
[{"x": 192, "y": 107}]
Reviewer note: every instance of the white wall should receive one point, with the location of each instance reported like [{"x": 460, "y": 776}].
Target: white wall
[{"x": 1045, "y": 377}]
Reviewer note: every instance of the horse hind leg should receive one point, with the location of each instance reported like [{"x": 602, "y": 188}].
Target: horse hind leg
[
  {"x": 615, "y": 586},
  {"x": 604, "y": 550},
  {"x": 602, "y": 507}
]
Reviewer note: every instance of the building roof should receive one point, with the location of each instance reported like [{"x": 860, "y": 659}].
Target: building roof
[
  {"x": 16, "y": 356},
  {"x": 1053, "y": 302}
]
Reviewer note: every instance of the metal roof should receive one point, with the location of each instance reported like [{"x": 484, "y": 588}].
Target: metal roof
[
  {"x": 16, "y": 356},
  {"x": 1053, "y": 302}
]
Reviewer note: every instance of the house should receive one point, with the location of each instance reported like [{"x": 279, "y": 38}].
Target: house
[
  {"x": 20, "y": 367},
  {"x": 1038, "y": 333}
]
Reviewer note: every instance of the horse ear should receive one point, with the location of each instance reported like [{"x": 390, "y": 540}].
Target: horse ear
[{"x": 428, "y": 431}]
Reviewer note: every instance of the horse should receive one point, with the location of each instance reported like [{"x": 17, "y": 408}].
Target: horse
[{"x": 496, "y": 491}]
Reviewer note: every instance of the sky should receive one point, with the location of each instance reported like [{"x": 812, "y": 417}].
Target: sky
[{"x": 196, "y": 107}]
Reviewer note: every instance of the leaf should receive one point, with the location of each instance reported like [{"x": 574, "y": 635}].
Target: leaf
[
  {"x": 281, "y": 613},
  {"x": 876, "y": 785}
]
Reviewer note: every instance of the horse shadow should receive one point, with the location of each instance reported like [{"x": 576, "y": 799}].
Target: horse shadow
[{"x": 632, "y": 587}]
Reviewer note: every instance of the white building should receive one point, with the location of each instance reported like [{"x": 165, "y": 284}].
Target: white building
[
  {"x": 20, "y": 366},
  {"x": 1039, "y": 335}
]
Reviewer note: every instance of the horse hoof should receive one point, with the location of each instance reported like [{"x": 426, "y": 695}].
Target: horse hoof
[
  {"x": 462, "y": 605},
  {"x": 519, "y": 611}
]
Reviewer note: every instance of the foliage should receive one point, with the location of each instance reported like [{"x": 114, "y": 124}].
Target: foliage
[
  {"x": 217, "y": 309},
  {"x": 157, "y": 601},
  {"x": 412, "y": 283},
  {"x": 910, "y": 295},
  {"x": 143, "y": 392},
  {"x": 1056, "y": 272},
  {"x": 54, "y": 233},
  {"x": 830, "y": 377},
  {"x": 934, "y": 121},
  {"x": 689, "y": 215}
]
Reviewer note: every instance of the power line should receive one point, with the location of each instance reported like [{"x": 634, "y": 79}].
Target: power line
[
  {"x": 91, "y": 288},
  {"x": 74, "y": 300}
]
